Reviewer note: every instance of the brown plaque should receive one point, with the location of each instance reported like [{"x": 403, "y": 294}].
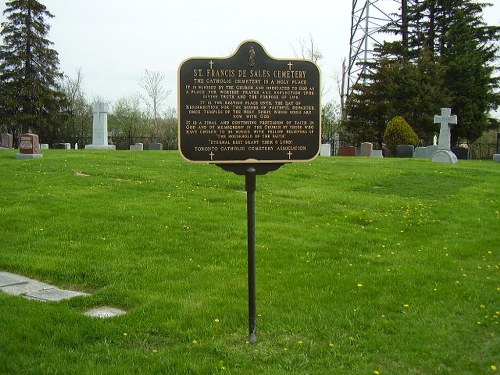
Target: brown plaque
[{"x": 249, "y": 108}]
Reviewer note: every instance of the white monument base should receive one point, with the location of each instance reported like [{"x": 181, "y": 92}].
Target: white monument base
[
  {"x": 29, "y": 156},
  {"x": 444, "y": 156},
  {"x": 496, "y": 157},
  {"x": 100, "y": 147}
]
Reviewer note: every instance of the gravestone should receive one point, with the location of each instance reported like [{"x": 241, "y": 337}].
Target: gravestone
[
  {"x": 376, "y": 154},
  {"x": 156, "y": 146},
  {"x": 100, "y": 128},
  {"x": 425, "y": 152},
  {"x": 347, "y": 151},
  {"x": 7, "y": 140},
  {"x": 444, "y": 154},
  {"x": 29, "y": 147},
  {"x": 404, "y": 151},
  {"x": 366, "y": 148},
  {"x": 44, "y": 146},
  {"x": 326, "y": 149},
  {"x": 62, "y": 146},
  {"x": 496, "y": 156},
  {"x": 461, "y": 153},
  {"x": 137, "y": 147}
]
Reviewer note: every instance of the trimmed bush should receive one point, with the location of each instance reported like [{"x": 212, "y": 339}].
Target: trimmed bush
[{"x": 399, "y": 132}]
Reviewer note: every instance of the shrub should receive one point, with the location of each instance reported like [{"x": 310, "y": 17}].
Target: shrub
[{"x": 399, "y": 132}]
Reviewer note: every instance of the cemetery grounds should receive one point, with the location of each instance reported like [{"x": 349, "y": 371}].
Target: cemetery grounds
[{"x": 364, "y": 266}]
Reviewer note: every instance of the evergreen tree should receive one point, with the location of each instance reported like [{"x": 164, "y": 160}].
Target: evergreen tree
[
  {"x": 29, "y": 70},
  {"x": 445, "y": 57},
  {"x": 468, "y": 57}
]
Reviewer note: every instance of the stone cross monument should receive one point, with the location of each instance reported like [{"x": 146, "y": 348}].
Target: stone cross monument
[
  {"x": 100, "y": 128},
  {"x": 444, "y": 153}
]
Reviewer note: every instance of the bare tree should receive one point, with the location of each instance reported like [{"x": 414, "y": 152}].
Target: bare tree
[
  {"x": 152, "y": 83},
  {"x": 78, "y": 112},
  {"x": 308, "y": 50}
]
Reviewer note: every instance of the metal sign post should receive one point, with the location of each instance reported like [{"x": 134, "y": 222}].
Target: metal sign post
[{"x": 250, "y": 187}]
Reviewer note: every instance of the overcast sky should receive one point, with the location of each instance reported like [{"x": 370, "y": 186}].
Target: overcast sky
[{"x": 114, "y": 41}]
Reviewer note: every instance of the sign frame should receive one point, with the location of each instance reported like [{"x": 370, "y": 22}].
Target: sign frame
[{"x": 249, "y": 108}]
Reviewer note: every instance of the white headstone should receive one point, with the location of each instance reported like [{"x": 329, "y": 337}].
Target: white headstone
[
  {"x": 100, "y": 128},
  {"x": 376, "y": 154},
  {"x": 444, "y": 154},
  {"x": 326, "y": 149}
]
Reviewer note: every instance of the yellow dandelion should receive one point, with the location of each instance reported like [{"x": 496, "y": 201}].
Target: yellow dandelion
[
  {"x": 216, "y": 320},
  {"x": 493, "y": 368},
  {"x": 376, "y": 372},
  {"x": 300, "y": 342},
  {"x": 406, "y": 305},
  {"x": 195, "y": 342},
  {"x": 360, "y": 285}
]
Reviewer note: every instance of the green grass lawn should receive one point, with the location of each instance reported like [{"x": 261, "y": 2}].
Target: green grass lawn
[{"x": 364, "y": 266}]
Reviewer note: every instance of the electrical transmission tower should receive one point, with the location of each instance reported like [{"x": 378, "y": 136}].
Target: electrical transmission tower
[{"x": 369, "y": 18}]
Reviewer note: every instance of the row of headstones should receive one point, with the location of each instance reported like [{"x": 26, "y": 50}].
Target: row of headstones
[
  {"x": 31, "y": 143},
  {"x": 402, "y": 151},
  {"x": 441, "y": 153}
]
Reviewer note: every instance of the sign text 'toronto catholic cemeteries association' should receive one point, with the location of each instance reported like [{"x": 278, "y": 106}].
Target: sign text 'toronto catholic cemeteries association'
[{"x": 249, "y": 108}]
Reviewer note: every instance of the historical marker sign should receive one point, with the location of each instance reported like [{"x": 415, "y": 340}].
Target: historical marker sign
[{"x": 249, "y": 108}]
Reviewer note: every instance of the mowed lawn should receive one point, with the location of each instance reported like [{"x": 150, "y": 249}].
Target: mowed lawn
[{"x": 364, "y": 266}]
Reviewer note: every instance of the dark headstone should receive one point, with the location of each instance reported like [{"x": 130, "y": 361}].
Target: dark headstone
[
  {"x": 404, "y": 151},
  {"x": 156, "y": 146},
  {"x": 61, "y": 146},
  {"x": 347, "y": 151},
  {"x": 461, "y": 153}
]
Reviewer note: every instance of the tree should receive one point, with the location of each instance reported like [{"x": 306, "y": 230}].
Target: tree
[
  {"x": 446, "y": 58},
  {"x": 152, "y": 84},
  {"x": 127, "y": 119},
  {"x": 330, "y": 122},
  {"x": 29, "y": 70},
  {"x": 399, "y": 132},
  {"x": 469, "y": 58},
  {"x": 78, "y": 124}
]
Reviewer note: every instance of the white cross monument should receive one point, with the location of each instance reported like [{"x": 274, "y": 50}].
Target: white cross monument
[
  {"x": 444, "y": 153},
  {"x": 100, "y": 128}
]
